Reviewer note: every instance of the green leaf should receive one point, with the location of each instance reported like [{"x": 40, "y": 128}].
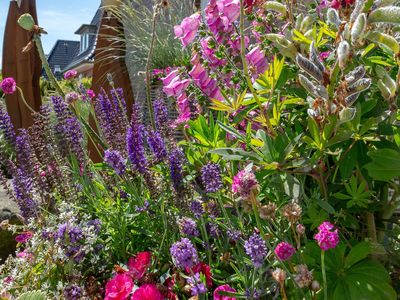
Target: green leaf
[
  {"x": 357, "y": 253},
  {"x": 385, "y": 164}
]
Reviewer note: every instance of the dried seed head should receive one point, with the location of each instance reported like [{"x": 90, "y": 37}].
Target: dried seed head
[
  {"x": 268, "y": 211},
  {"x": 279, "y": 275},
  {"x": 292, "y": 212},
  {"x": 303, "y": 276}
]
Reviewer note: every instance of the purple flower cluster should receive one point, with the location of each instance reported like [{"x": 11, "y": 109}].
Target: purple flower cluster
[
  {"x": 23, "y": 189},
  {"x": 74, "y": 135},
  {"x": 188, "y": 227},
  {"x": 196, "y": 207},
  {"x": 326, "y": 237},
  {"x": 211, "y": 177},
  {"x": 197, "y": 287},
  {"x": 161, "y": 116},
  {"x": 255, "y": 248},
  {"x": 157, "y": 145},
  {"x": 6, "y": 126},
  {"x": 184, "y": 254},
  {"x": 115, "y": 160},
  {"x": 70, "y": 74},
  {"x": 25, "y": 153},
  {"x": 111, "y": 121},
  {"x": 284, "y": 251},
  {"x": 175, "y": 167},
  {"x": 119, "y": 102},
  {"x": 234, "y": 235},
  {"x": 72, "y": 292},
  {"x": 134, "y": 142}
]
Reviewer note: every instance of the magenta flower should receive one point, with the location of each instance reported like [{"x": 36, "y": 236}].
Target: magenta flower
[
  {"x": 324, "y": 55},
  {"x": 91, "y": 94},
  {"x": 24, "y": 237},
  {"x": 173, "y": 85},
  {"x": 220, "y": 15},
  {"x": 187, "y": 31},
  {"x": 8, "y": 85},
  {"x": 147, "y": 292},
  {"x": 257, "y": 62},
  {"x": 206, "y": 84},
  {"x": 284, "y": 251},
  {"x": 224, "y": 288},
  {"x": 326, "y": 237},
  {"x": 70, "y": 74},
  {"x": 244, "y": 183},
  {"x": 119, "y": 287}
]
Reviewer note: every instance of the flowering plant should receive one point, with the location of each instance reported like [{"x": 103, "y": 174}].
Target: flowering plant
[{"x": 283, "y": 185}]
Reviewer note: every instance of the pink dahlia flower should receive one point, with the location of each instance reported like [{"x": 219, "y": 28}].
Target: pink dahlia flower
[
  {"x": 284, "y": 251},
  {"x": 187, "y": 31},
  {"x": 224, "y": 288},
  {"x": 8, "y": 85},
  {"x": 147, "y": 292},
  {"x": 119, "y": 287},
  {"x": 138, "y": 265},
  {"x": 70, "y": 74},
  {"x": 326, "y": 237}
]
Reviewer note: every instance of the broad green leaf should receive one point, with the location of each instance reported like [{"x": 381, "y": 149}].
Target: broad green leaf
[
  {"x": 357, "y": 253},
  {"x": 385, "y": 164}
]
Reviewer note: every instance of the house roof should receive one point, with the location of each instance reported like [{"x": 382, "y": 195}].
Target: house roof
[
  {"x": 88, "y": 54},
  {"x": 87, "y": 28},
  {"x": 63, "y": 53}
]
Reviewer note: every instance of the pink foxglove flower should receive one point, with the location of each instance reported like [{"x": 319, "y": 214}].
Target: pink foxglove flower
[
  {"x": 224, "y": 288},
  {"x": 91, "y": 94},
  {"x": 8, "y": 85},
  {"x": 326, "y": 237},
  {"x": 187, "y": 31},
  {"x": 173, "y": 85},
  {"x": 206, "y": 84},
  {"x": 257, "y": 62},
  {"x": 147, "y": 292},
  {"x": 119, "y": 287},
  {"x": 284, "y": 251}
]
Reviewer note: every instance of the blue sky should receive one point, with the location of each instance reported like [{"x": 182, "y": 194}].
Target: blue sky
[{"x": 60, "y": 18}]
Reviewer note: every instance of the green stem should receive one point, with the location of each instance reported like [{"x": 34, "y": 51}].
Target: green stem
[
  {"x": 148, "y": 65},
  {"x": 26, "y": 103},
  {"x": 246, "y": 71},
  {"x": 324, "y": 275},
  {"x": 46, "y": 66}
]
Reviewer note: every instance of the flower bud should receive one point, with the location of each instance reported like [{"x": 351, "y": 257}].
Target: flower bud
[
  {"x": 300, "y": 229},
  {"x": 275, "y": 6},
  {"x": 358, "y": 28},
  {"x": 343, "y": 53},
  {"x": 26, "y": 21},
  {"x": 333, "y": 17},
  {"x": 315, "y": 286},
  {"x": 279, "y": 275},
  {"x": 387, "y": 14}
]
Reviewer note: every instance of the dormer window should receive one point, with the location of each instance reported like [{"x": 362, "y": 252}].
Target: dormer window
[
  {"x": 84, "y": 41},
  {"x": 85, "y": 31}
]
